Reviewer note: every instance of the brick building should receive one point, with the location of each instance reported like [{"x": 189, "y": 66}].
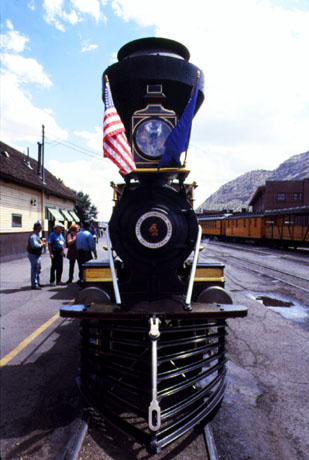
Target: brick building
[{"x": 282, "y": 194}]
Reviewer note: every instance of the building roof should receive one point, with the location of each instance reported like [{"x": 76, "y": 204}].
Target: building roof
[
  {"x": 297, "y": 210},
  {"x": 259, "y": 191},
  {"x": 23, "y": 170}
]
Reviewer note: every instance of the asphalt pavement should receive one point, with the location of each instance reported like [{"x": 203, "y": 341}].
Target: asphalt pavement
[
  {"x": 39, "y": 361},
  {"x": 23, "y": 310}
]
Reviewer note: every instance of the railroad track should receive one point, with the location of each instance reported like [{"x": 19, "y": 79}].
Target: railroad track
[
  {"x": 74, "y": 445},
  {"x": 302, "y": 282},
  {"x": 281, "y": 254},
  {"x": 77, "y": 440}
]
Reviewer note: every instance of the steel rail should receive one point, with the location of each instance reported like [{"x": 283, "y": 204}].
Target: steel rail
[
  {"x": 74, "y": 445},
  {"x": 247, "y": 248},
  {"x": 210, "y": 443},
  {"x": 272, "y": 269},
  {"x": 275, "y": 277},
  {"x": 268, "y": 267}
]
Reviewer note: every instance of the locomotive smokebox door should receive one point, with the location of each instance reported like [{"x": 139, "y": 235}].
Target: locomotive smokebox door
[{"x": 153, "y": 228}]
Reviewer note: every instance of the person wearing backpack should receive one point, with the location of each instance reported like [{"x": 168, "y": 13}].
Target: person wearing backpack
[{"x": 34, "y": 249}]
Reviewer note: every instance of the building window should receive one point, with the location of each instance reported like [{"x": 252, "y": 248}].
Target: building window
[
  {"x": 280, "y": 196},
  {"x": 245, "y": 223},
  {"x": 255, "y": 222},
  {"x": 298, "y": 196},
  {"x": 16, "y": 220}
]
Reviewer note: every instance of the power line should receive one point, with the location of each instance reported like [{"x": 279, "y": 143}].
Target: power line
[{"x": 72, "y": 146}]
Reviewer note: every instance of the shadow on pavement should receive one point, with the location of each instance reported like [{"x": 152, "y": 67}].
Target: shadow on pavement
[
  {"x": 14, "y": 291},
  {"x": 40, "y": 396}
]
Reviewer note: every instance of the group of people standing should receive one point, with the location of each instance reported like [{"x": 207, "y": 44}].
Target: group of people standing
[{"x": 79, "y": 242}]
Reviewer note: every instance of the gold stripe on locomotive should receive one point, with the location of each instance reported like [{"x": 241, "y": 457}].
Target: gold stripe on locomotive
[
  {"x": 97, "y": 275},
  {"x": 207, "y": 274}
]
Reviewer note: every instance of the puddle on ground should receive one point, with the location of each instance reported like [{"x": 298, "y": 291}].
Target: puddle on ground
[
  {"x": 271, "y": 302},
  {"x": 287, "y": 307}
]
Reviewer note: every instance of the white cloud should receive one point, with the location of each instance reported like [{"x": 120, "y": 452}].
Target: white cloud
[
  {"x": 27, "y": 70},
  {"x": 71, "y": 17},
  {"x": 53, "y": 10},
  {"x": 21, "y": 120},
  {"x": 31, "y": 5},
  {"x": 86, "y": 46},
  {"x": 13, "y": 40},
  {"x": 92, "y": 177},
  {"x": 91, "y": 7},
  {"x": 60, "y": 12},
  {"x": 94, "y": 140}
]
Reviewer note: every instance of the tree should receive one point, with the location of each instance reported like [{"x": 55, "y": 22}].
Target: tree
[{"x": 84, "y": 208}]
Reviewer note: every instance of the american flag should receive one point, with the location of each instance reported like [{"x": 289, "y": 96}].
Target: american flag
[{"x": 115, "y": 143}]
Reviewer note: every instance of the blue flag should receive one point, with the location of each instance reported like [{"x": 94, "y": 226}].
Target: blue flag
[{"x": 178, "y": 141}]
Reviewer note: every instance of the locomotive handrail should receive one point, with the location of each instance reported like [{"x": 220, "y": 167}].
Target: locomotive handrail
[
  {"x": 193, "y": 269},
  {"x": 112, "y": 267}
]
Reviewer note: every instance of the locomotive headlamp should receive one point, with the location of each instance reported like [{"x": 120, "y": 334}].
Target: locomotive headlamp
[
  {"x": 150, "y": 136},
  {"x": 150, "y": 128}
]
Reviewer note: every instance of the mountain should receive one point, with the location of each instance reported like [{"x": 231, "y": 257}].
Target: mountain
[{"x": 237, "y": 193}]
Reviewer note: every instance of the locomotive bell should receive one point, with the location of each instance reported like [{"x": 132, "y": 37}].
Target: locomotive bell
[{"x": 151, "y": 84}]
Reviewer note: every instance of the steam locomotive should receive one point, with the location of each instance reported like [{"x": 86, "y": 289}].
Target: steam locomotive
[{"x": 153, "y": 318}]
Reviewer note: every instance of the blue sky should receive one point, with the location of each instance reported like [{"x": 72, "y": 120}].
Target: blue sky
[{"x": 254, "y": 54}]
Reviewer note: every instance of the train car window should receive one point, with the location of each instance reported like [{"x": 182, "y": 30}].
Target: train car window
[
  {"x": 298, "y": 196},
  {"x": 301, "y": 220},
  {"x": 281, "y": 196}
]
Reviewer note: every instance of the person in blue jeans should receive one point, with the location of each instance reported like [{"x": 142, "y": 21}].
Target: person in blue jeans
[
  {"x": 85, "y": 246},
  {"x": 56, "y": 244},
  {"x": 34, "y": 249}
]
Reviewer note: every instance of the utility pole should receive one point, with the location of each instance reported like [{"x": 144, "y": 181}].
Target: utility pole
[
  {"x": 43, "y": 179},
  {"x": 43, "y": 145}
]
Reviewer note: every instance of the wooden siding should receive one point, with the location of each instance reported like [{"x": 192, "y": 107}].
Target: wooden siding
[
  {"x": 16, "y": 199},
  {"x": 283, "y": 228},
  {"x": 211, "y": 227},
  {"x": 244, "y": 227}
]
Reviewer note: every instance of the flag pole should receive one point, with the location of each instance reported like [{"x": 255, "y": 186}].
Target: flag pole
[{"x": 198, "y": 74}]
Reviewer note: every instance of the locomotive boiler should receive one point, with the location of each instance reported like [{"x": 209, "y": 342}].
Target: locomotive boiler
[{"x": 152, "y": 316}]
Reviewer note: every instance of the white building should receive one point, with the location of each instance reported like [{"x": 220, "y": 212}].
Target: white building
[{"x": 28, "y": 194}]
